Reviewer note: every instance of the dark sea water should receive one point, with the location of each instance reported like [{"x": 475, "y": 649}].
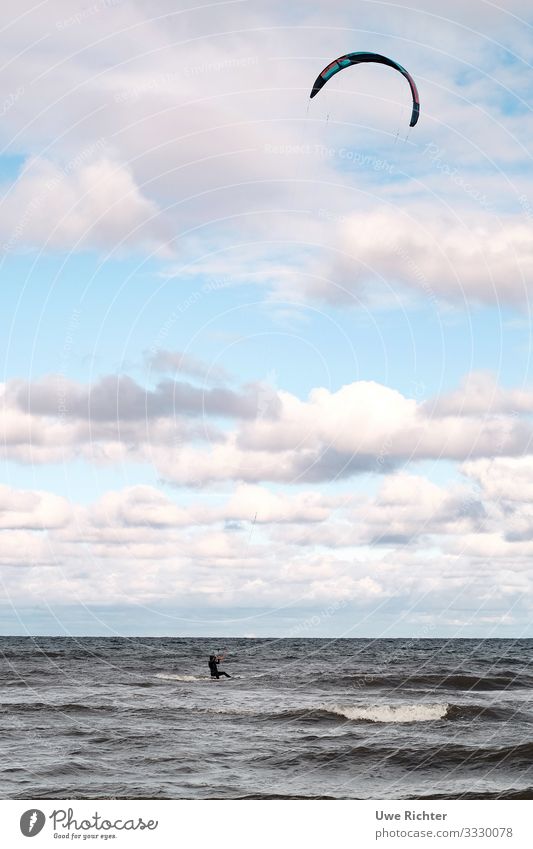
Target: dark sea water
[{"x": 384, "y": 719}]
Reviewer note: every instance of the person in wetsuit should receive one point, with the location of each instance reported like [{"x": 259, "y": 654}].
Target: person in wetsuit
[{"x": 214, "y": 660}]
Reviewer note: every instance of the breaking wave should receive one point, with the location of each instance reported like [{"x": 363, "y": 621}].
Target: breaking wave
[
  {"x": 387, "y": 713},
  {"x": 392, "y": 713},
  {"x": 353, "y": 713}
]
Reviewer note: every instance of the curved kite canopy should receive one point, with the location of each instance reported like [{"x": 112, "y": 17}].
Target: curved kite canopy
[{"x": 356, "y": 59}]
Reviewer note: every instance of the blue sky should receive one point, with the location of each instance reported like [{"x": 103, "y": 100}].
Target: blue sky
[{"x": 266, "y": 357}]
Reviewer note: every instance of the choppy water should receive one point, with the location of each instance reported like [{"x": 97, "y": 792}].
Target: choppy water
[{"x": 140, "y": 718}]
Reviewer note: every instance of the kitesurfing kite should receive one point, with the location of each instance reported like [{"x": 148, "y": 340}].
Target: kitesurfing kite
[{"x": 356, "y": 59}]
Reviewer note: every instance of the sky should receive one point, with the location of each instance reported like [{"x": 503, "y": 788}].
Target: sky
[{"x": 266, "y": 359}]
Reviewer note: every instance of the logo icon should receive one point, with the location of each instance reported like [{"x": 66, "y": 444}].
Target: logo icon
[{"x": 32, "y": 822}]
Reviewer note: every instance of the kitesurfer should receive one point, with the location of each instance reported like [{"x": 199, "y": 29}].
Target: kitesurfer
[{"x": 214, "y": 660}]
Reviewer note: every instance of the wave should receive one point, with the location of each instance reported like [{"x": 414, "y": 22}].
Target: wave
[
  {"x": 238, "y": 711},
  {"x": 424, "y": 712},
  {"x": 492, "y": 712},
  {"x": 353, "y": 713},
  {"x": 391, "y": 713},
  {"x": 287, "y": 796},
  {"x": 38, "y": 707},
  {"x": 456, "y": 681},
  {"x": 166, "y": 677},
  {"x": 505, "y": 793},
  {"x": 385, "y": 713},
  {"x": 520, "y": 754},
  {"x": 321, "y": 712},
  {"x": 423, "y": 758}
]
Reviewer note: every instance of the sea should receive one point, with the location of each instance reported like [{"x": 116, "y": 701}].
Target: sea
[{"x": 137, "y": 718}]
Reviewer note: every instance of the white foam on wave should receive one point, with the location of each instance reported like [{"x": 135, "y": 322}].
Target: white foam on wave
[
  {"x": 391, "y": 713},
  {"x": 241, "y": 711},
  {"x": 183, "y": 677}
]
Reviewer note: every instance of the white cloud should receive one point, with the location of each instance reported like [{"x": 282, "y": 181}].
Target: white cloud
[
  {"x": 413, "y": 543},
  {"x": 362, "y": 427},
  {"x": 503, "y": 478},
  {"x": 481, "y": 259},
  {"x": 96, "y": 204},
  {"x": 32, "y": 510},
  {"x": 480, "y": 394}
]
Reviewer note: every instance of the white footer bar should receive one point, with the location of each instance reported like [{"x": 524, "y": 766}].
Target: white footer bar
[{"x": 264, "y": 824}]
